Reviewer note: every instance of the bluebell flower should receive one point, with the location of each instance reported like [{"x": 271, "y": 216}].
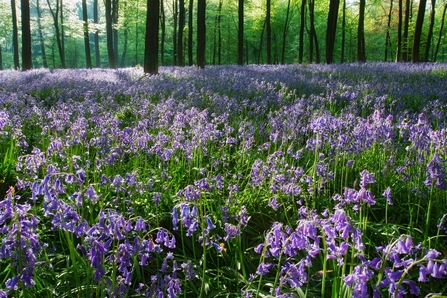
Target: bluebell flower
[
  {"x": 366, "y": 178},
  {"x": 90, "y": 193},
  {"x": 12, "y": 283},
  {"x": 264, "y": 268},
  {"x": 436, "y": 173},
  {"x": 387, "y": 195}
]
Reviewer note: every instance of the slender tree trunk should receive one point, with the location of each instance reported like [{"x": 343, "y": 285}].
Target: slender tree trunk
[
  {"x": 27, "y": 62},
  {"x": 174, "y": 39},
  {"x": 201, "y": 33},
  {"x": 137, "y": 15},
  {"x": 331, "y": 30},
  {"x": 430, "y": 30},
  {"x": 405, "y": 55},
  {"x": 301, "y": 36},
  {"x": 388, "y": 28},
  {"x": 190, "y": 32},
  {"x": 109, "y": 33},
  {"x": 115, "y": 15},
  {"x": 15, "y": 38},
  {"x": 219, "y": 34},
  {"x": 418, "y": 32},
  {"x": 96, "y": 21},
  {"x": 62, "y": 33},
  {"x": 361, "y": 54},
  {"x": 317, "y": 48},
  {"x": 163, "y": 32},
  {"x": 39, "y": 28},
  {"x": 312, "y": 33},
  {"x": 88, "y": 58},
  {"x": 269, "y": 32},
  {"x": 240, "y": 33},
  {"x": 399, "y": 34},
  {"x": 215, "y": 40},
  {"x": 125, "y": 44},
  {"x": 59, "y": 39},
  {"x": 151, "y": 44},
  {"x": 261, "y": 41},
  {"x": 440, "y": 33},
  {"x": 343, "y": 32},
  {"x": 284, "y": 33},
  {"x": 181, "y": 27},
  {"x": 1, "y": 58}
]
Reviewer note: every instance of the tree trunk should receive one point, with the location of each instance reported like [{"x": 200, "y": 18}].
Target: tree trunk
[
  {"x": 181, "y": 27},
  {"x": 27, "y": 62},
  {"x": 240, "y": 33},
  {"x": 301, "y": 37},
  {"x": 317, "y": 49},
  {"x": 96, "y": 21},
  {"x": 109, "y": 33},
  {"x": 405, "y": 55},
  {"x": 59, "y": 40},
  {"x": 115, "y": 6},
  {"x": 430, "y": 30},
  {"x": 125, "y": 44},
  {"x": 219, "y": 35},
  {"x": 388, "y": 28},
  {"x": 190, "y": 32},
  {"x": 62, "y": 33},
  {"x": 418, "y": 31},
  {"x": 312, "y": 33},
  {"x": 15, "y": 38},
  {"x": 284, "y": 33},
  {"x": 1, "y": 58},
  {"x": 151, "y": 44},
  {"x": 361, "y": 55},
  {"x": 399, "y": 34},
  {"x": 331, "y": 30},
  {"x": 440, "y": 32},
  {"x": 174, "y": 34},
  {"x": 88, "y": 58},
  {"x": 163, "y": 32},
  {"x": 201, "y": 33},
  {"x": 269, "y": 32},
  {"x": 343, "y": 32},
  {"x": 39, "y": 28}
]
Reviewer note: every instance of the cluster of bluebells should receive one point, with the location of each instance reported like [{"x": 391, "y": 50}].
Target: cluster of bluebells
[
  {"x": 294, "y": 251},
  {"x": 90, "y": 144},
  {"x": 395, "y": 269},
  {"x": 359, "y": 197},
  {"x": 20, "y": 245}
]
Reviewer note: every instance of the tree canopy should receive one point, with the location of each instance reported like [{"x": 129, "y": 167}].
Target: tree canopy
[{"x": 268, "y": 31}]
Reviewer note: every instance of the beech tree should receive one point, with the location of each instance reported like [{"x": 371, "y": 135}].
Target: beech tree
[
  {"x": 58, "y": 26},
  {"x": 269, "y": 32},
  {"x": 418, "y": 32},
  {"x": 15, "y": 34},
  {"x": 41, "y": 39},
  {"x": 151, "y": 44},
  {"x": 361, "y": 54},
  {"x": 88, "y": 59},
  {"x": 331, "y": 30},
  {"x": 181, "y": 27},
  {"x": 96, "y": 21},
  {"x": 27, "y": 60},
  {"x": 201, "y": 33},
  {"x": 110, "y": 49},
  {"x": 435, "y": 55},
  {"x": 430, "y": 30},
  {"x": 240, "y": 33}
]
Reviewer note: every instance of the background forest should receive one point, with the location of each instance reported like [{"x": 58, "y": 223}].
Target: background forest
[{"x": 57, "y": 30}]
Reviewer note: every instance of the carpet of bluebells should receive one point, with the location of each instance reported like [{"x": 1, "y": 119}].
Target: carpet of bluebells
[{"x": 254, "y": 181}]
